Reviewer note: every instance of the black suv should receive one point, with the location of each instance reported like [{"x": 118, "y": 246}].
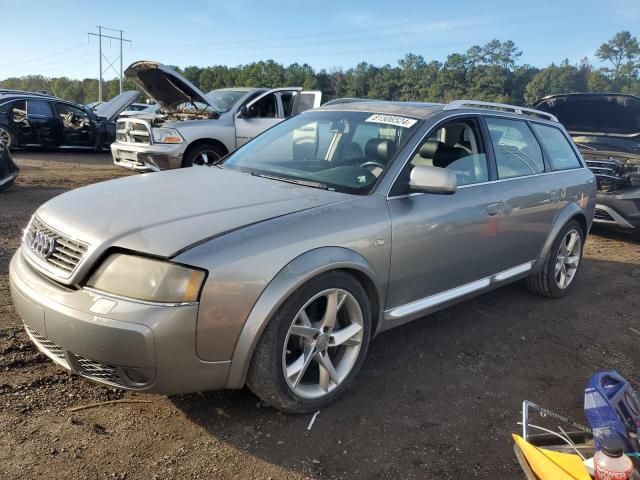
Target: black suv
[
  {"x": 606, "y": 129},
  {"x": 37, "y": 120}
]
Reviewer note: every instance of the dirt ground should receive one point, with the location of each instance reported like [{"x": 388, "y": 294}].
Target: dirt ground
[{"x": 437, "y": 398}]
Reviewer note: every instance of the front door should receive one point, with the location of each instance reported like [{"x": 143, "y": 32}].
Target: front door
[
  {"x": 445, "y": 246},
  {"x": 264, "y": 112},
  {"x": 77, "y": 128}
]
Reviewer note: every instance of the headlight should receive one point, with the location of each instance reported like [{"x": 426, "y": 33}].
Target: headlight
[
  {"x": 147, "y": 279},
  {"x": 166, "y": 135}
]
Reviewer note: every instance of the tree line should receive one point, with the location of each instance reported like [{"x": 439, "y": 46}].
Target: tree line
[{"x": 490, "y": 72}]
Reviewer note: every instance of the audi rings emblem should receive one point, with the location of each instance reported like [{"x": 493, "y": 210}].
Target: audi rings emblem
[{"x": 42, "y": 244}]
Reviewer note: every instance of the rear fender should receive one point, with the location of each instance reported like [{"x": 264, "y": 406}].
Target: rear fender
[{"x": 568, "y": 213}]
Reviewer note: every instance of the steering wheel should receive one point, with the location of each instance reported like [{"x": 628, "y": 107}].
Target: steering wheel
[{"x": 371, "y": 163}]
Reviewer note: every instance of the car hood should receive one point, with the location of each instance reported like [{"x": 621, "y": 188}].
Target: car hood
[
  {"x": 111, "y": 109},
  {"x": 165, "y": 213},
  {"x": 596, "y": 114},
  {"x": 166, "y": 86}
]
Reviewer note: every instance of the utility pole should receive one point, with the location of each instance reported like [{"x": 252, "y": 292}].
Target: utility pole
[{"x": 101, "y": 56}]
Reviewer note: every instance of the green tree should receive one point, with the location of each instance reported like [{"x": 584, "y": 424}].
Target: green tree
[
  {"x": 623, "y": 53},
  {"x": 553, "y": 80}
]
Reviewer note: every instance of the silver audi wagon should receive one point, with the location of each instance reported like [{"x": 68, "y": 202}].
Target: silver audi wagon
[{"x": 275, "y": 267}]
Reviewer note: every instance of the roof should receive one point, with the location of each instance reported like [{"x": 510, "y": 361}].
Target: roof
[
  {"x": 424, "y": 110},
  {"x": 411, "y": 109},
  {"x": 237, "y": 89}
]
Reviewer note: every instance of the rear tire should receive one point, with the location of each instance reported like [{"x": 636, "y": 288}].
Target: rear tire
[
  {"x": 561, "y": 265},
  {"x": 204, "y": 154},
  {"x": 303, "y": 361}
]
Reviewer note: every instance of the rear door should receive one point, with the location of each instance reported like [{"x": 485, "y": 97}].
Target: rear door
[
  {"x": 265, "y": 111},
  {"x": 531, "y": 195},
  {"x": 44, "y": 124}
]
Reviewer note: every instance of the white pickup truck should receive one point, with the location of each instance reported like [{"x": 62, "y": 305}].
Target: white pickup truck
[{"x": 194, "y": 128}]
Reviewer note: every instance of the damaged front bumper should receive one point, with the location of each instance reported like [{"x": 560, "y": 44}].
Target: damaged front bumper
[
  {"x": 147, "y": 158},
  {"x": 120, "y": 342}
]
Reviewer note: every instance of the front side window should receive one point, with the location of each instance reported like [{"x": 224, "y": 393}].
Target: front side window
[
  {"x": 39, "y": 108},
  {"x": 456, "y": 146},
  {"x": 516, "y": 149},
  {"x": 72, "y": 118},
  {"x": 266, "y": 107},
  {"x": 561, "y": 154},
  {"x": 342, "y": 151}
]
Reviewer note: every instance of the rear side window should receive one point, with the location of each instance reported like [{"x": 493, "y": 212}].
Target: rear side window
[
  {"x": 516, "y": 149},
  {"x": 39, "y": 108},
  {"x": 561, "y": 154}
]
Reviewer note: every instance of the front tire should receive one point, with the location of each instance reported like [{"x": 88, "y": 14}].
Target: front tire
[
  {"x": 205, "y": 154},
  {"x": 313, "y": 346},
  {"x": 561, "y": 265},
  {"x": 7, "y": 138}
]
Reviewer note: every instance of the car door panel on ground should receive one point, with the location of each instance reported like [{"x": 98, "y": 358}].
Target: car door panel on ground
[{"x": 441, "y": 242}]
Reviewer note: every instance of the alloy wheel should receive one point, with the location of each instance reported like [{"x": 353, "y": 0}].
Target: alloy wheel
[
  {"x": 322, "y": 344},
  {"x": 568, "y": 258},
  {"x": 5, "y": 138}
]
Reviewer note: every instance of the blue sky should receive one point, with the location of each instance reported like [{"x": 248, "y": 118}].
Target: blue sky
[{"x": 50, "y": 38}]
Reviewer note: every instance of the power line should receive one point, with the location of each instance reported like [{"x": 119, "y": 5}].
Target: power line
[
  {"x": 44, "y": 57},
  {"x": 100, "y": 36}
]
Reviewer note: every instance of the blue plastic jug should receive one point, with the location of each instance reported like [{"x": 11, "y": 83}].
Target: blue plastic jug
[{"x": 612, "y": 409}]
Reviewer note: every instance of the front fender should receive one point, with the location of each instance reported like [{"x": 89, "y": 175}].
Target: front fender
[{"x": 287, "y": 281}]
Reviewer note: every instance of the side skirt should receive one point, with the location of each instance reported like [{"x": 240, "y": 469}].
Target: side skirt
[{"x": 410, "y": 311}]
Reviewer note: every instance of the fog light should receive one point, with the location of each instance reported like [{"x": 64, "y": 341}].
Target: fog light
[{"x": 136, "y": 376}]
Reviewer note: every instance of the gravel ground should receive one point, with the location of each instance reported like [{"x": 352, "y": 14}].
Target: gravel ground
[{"x": 437, "y": 398}]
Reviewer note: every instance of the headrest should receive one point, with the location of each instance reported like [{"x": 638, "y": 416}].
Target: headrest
[
  {"x": 447, "y": 155},
  {"x": 429, "y": 148},
  {"x": 380, "y": 149}
]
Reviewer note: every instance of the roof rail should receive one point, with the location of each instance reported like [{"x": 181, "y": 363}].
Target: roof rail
[{"x": 457, "y": 104}]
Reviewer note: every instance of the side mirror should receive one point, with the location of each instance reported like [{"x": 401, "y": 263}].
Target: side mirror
[
  {"x": 426, "y": 179},
  {"x": 247, "y": 112}
]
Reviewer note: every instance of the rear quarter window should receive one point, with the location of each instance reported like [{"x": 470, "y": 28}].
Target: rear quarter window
[{"x": 561, "y": 154}]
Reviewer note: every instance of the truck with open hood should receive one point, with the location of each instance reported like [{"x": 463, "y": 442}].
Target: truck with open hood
[
  {"x": 191, "y": 127},
  {"x": 606, "y": 129}
]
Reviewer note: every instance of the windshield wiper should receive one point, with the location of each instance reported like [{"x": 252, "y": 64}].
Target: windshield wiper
[{"x": 305, "y": 183}]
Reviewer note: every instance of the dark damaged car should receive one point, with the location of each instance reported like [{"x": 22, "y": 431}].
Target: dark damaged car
[
  {"x": 606, "y": 129},
  {"x": 35, "y": 120}
]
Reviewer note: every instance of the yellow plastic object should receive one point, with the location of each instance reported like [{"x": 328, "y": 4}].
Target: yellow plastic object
[{"x": 550, "y": 465}]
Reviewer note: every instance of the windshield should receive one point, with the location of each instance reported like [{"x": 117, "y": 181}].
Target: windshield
[
  {"x": 341, "y": 151},
  {"x": 224, "y": 100}
]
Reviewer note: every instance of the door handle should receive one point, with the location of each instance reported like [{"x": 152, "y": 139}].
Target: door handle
[
  {"x": 554, "y": 195},
  {"x": 494, "y": 209}
]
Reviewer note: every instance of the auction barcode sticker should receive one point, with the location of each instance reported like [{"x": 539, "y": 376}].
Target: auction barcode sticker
[{"x": 392, "y": 120}]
